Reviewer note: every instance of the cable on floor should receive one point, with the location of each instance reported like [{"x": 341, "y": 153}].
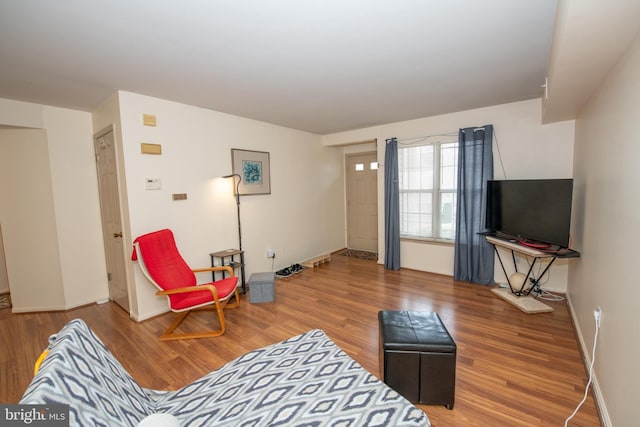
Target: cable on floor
[{"x": 596, "y": 315}]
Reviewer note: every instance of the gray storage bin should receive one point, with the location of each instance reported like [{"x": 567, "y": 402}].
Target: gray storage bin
[{"x": 261, "y": 288}]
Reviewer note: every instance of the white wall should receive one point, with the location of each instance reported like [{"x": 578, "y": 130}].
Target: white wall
[
  {"x": 69, "y": 173},
  {"x": 76, "y": 203},
  {"x": 4, "y": 278},
  {"x": 28, "y": 221},
  {"x": 301, "y": 218},
  {"x": 527, "y": 149},
  {"x": 605, "y": 230}
]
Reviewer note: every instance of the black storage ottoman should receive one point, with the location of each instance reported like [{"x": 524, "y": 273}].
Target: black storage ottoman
[{"x": 418, "y": 357}]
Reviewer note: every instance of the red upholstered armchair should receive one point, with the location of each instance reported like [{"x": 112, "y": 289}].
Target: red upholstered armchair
[{"x": 162, "y": 264}]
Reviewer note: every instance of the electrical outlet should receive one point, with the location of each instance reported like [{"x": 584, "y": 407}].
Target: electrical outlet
[
  {"x": 271, "y": 253},
  {"x": 597, "y": 314}
]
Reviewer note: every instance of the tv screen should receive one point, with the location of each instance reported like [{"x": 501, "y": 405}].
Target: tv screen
[{"x": 532, "y": 211}]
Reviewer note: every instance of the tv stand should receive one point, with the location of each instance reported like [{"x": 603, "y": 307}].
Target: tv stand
[{"x": 536, "y": 254}]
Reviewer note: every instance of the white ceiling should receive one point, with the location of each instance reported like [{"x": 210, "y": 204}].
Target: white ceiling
[{"x": 317, "y": 65}]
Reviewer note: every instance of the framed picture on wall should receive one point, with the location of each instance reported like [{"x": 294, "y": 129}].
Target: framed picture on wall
[{"x": 253, "y": 168}]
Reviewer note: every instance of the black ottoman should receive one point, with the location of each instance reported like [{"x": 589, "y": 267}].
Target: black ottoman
[{"x": 418, "y": 357}]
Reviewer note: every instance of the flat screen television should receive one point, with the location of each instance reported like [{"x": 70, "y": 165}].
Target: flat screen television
[{"x": 533, "y": 211}]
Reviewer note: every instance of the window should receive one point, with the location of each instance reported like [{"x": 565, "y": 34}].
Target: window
[
  {"x": 428, "y": 179},
  {"x": 359, "y": 167}
]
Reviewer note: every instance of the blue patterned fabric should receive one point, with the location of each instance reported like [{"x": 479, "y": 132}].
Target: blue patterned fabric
[
  {"x": 306, "y": 380},
  {"x": 80, "y": 371}
]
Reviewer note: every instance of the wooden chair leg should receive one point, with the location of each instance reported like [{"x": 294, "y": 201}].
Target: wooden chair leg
[
  {"x": 179, "y": 318},
  {"x": 168, "y": 335},
  {"x": 236, "y": 304},
  {"x": 219, "y": 307}
]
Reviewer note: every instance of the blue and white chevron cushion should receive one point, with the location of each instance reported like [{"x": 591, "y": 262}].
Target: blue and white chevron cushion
[
  {"x": 306, "y": 380},
  {"x": 81, "y": 372}
]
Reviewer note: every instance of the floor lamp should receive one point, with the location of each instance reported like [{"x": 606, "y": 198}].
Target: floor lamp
[{"x": 237, "y": 193}]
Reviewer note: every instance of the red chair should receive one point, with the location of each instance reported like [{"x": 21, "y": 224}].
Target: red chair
[{"x": 162, "y": 264}]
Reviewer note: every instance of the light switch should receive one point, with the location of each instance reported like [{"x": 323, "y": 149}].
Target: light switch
[{"x": 152, "y": 184}]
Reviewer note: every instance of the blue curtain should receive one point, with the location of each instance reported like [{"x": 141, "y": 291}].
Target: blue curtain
[
  {"x": 474, "y": 257},
  {"x": 391, "y": 207}
]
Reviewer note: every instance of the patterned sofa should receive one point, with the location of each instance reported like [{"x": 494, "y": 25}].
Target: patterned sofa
[{"x": 306, "y": 380}]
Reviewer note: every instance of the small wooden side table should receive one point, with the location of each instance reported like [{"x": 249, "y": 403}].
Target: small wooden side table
[{"x": 228, "y": 257}]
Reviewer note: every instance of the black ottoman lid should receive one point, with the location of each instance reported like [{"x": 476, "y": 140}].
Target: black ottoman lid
[{"x": 415, "y": 331}]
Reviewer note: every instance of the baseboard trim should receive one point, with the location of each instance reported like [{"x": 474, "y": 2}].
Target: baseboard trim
[
  {"x": 147, "y": 316},
  {"x": 601, "y": 407},
  {"x": 37, "y": 309},
  {"x": 53, "y": 308},
  {"x": 86, "y": 303}
]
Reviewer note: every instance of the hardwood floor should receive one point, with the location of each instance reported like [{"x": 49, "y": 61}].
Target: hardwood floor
[{"x": 513, "y": 369}]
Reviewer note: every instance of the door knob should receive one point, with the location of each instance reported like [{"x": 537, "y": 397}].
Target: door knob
[{"x": 117, "y": 234}]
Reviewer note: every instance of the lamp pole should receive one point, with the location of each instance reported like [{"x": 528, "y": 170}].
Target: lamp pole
[{"x": 237, "y": 191}]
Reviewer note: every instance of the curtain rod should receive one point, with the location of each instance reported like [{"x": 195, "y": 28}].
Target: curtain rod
[
  {"x": 416, "y": 139},
  {"x": 422, "y": 138}
]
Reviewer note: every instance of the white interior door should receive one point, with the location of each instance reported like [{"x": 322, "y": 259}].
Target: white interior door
[
  {"x": 111, "y": 219},
  {"x": 362, "y": 201}
]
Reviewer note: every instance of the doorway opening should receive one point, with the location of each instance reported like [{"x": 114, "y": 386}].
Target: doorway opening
[{"x": 361, "y": 176}]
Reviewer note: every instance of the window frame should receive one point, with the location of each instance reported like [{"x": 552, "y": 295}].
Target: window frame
[{"x": 436, "y": 192}]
